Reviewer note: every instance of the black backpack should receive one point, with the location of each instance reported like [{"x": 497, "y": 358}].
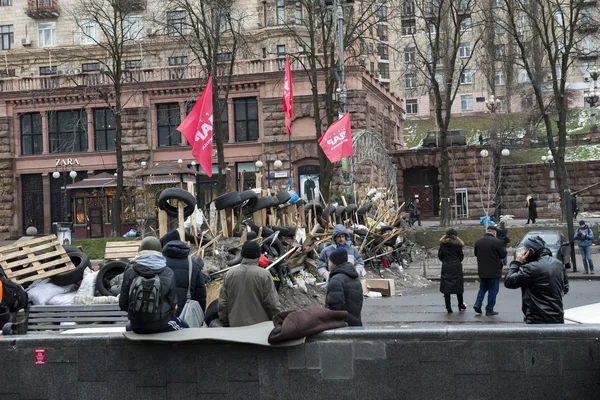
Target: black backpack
[
  {"x": 12, "y": 295},
  {"x": 144, "y": 299}
]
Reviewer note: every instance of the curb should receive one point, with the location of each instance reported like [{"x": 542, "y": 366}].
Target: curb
[{"x": 578, "y": 277}]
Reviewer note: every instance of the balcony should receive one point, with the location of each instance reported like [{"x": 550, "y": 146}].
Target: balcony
[
  {"x": 142, "y": 75},
  {"x": 42, "y": 9}
]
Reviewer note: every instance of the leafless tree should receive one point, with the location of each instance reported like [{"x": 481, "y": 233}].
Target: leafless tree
[
  {"x": 213, "y": 31},
  {"x": 443, "y": 36}
]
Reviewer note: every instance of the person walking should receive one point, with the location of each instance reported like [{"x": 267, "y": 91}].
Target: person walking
[
  {"x": 502, "y": 234},
  {"x": 489, "y": 251},
  {"x": 344, "y": 290},
  {"x": 451, "y": 280},
  {"x": 584, "y": 237},
  {"x": 341, "y": 239},
  {"x": 543, "y": 281},
  {"x": 532, "y": 210}
]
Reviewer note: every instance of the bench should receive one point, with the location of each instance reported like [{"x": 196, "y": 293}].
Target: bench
[
  {"x": 121, "y": 250},
  {"x": 49, "y": 318}
]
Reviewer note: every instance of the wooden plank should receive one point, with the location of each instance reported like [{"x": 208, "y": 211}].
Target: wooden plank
[
  {"x": 27, "y": 243},
  {"x": 30, "y": 250},
  {"x": 162, "y": 222},
  {"x": 121, "y": 250},
  {"x": 32, "y": 258},
  {"x": 180, "y": 220},
  {"x": 37, "y": 266},
  {"x": 44, "y": 275},
  {"x": 135, "y": 243}
]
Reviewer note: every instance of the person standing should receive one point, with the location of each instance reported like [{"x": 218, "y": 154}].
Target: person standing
[
  {"x": 574, "y": 207},
  {"x": 344, "y": 290},
  {"x": 584, "y": 237},
  {"x": 417, "y": 212},
  {"x": 410, "y": 208},
  {"x": 543, "y": 282},
  {"x": 489, "y": 251},
  {"x": 451, "y": 280},
  {"x": 532, "y": 210},
  {"x": 341, "y": 239},
  {"x": 502, "y": 234},
  {"x": 248, "y": 295}
]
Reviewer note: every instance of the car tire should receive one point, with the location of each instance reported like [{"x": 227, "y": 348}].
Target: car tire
[
  {"x": 351, "y": 208},
  {"x": 228, "y": 200},
  {"x": 248, "y": 194},
  {"x": 364, "y": 209},
  {"x": 274, "y": 249},
  {"x": 106, "y": 273},
  {"x": 283, "y": 196},
  {"x": 340, "y": 210},
  {"x": 212, "y": 312},
  {"x": 81, "y": 262},
  {"x": 237, "y": 258},
  {"x": 300, "y": 203},
  {"x": 69, "y": 248},
  {"x": 288, "y": 231},
  {"x": 249, "y": 236},
  {"x": 176, "y": 194}
]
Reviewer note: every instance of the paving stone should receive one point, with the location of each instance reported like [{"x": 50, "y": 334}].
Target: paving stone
[
  {"x": 369, "y": 350},
  {"x": 296, "y": 357},
  {"x": 437, "y": 380},
  {"x": 181, "y": 391},
  {"x": 543, "y": 358},
  {"x": 581, "y": 356},
  {"x": 337, "y": 360},
  {"x": 473, "y": 387},
  {"x": 312, "y": 352},
  {"x": 508, "y": 385},
  {"x": 244, "y": 390}
]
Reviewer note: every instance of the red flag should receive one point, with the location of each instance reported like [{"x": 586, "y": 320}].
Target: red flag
[
  {"x": 337, "y": 141},
  {"x": 288, "y": 97},
  {"x": 197, "y": 127}
]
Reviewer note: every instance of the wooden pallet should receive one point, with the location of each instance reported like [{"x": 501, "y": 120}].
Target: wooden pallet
[
  {"x": 121, "y": 250},
  {"x": 21, "y": 265}
]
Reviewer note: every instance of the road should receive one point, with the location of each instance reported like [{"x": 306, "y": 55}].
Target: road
[{"x": 426, "y": 306}]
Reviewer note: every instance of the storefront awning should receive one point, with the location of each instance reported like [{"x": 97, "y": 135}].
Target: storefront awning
[{"x": 102, "y": 180}]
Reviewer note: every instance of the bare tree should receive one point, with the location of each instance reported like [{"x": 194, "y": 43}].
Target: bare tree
[
  {"x": 549, "y": 36},
  {"x": 213, "y": 31},
  {"x": 112, "y": 28},
  {"x": 443, "y": 37}
]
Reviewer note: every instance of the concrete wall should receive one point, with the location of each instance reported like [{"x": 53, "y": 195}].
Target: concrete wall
[{"x": 553, "y": 362}]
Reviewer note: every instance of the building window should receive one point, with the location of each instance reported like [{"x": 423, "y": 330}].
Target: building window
[
  {"x": 89, "y": 33},
  {"x": 224, "y": 117},
  {"x": 381, "y": 13},
  {"x": 382, "y": 51},
  {"x": 409, "y": 27},
  {"x": 178, "y": 61},
  {"x": 501, "y": 101},
  {"x": 372, "y": 67},
  {"x": 67, "y": 131},
  {"x": 90, "y": 67},
  {"x": 281, "y": 50},
  {"x": 523, "y": 76},
  {"x": 466, "y": 77},
  {"x": 132, "y": 27},
  {"x": 8, "y": 73},
  {"x": 280, "y": 12},
  {"x": 5, "y": 3},
  {"x": 464, "y": 51},
  {"x": 498, "y": 3},
  {"x": 224, "y": 57},
  {"x": 466, "y": 24},
  {"x": 176, "y": 23},
  {"x": 133, "y": 64},
  {"x": 246, "y": 119},
  {"x": 105, "y": 129},
  {"x": 298, "y": 12},
  {"x": 382, "y": 32},
  {"x": 31, "y": 134},
  {"x": 46, "y": 34},
  {"x": 7, "y": 37},
  {"x": 466, "y": 102},
  {"x": 412, "y": 106},
  {"x": 384, "y": 71},
  {"x": 168, "y": 119},
  {"x": 48, "y": 70},
  {"x": 409, "y": 55},
  {"x": 410, "y": 81},
  {"x": 464, "y": 5},
  {"x": 500, "y": 79}
]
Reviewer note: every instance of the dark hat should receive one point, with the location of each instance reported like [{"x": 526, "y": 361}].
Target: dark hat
[
  {"x": 492, "y": 228},
  {"x": 451, "y": 232},
  {"x": 582, "y": 222},
  {"x": 338, "y": 256},
  {"x": 251, "y": 250},
  {"x": 535, "y": 243}
]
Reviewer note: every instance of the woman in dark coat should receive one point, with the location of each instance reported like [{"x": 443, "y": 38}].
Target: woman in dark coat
[
  {"x": 532, "y": 207},
  {"x": 451, "y": 256}
]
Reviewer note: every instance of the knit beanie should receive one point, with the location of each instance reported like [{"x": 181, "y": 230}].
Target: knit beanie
[
  {"x": 451, "y": 232},
  {"x": 535, "y": 243},
  {"x": 338, "y": 256},
  {"x": 251, "y": 250},
  {"x": 582, "y": 222},
  {"x": 151, "y": 243}
]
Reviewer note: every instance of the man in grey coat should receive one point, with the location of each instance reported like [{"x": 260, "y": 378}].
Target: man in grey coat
[
  {"x": 248, "y": 295},
  {"x": 341, "y": 239}
]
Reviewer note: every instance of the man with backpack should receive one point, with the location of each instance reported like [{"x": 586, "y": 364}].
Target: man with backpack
[
  {"x": 584, "y": 237},
  {"x": 148, "y": 294}
]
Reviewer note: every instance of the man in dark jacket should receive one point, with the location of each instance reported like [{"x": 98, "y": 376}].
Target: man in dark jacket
[
  {"x": 248, "y": 295},
  {"x": 340, "y": 240},
  {"x": 543, "y": 282},
  {"x": 177, "y": 253},
  {"x": 147, "y": 314},
  {"x": 344, "y": 290},
  {"x": 489, "y": 252},
  {"x": 584, "y": 237}
]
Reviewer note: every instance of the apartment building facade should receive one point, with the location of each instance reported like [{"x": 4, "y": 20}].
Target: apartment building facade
[
  {"x": 56, "y": 130},
  {"x": 499, "y": 75}
]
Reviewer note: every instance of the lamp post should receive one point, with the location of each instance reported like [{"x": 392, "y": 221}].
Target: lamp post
[
  {"x": 73, "y": 175},
  {"x": 549, "y": 163},
  {"x": 277, "y": 164},
  {"x": 592, "y": 97},
  {"x": 497, "y": 166},
  {"x": 492, "y": 104}
]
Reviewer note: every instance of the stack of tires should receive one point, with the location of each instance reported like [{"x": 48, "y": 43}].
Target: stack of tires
[{"x": 81, "y": 262}]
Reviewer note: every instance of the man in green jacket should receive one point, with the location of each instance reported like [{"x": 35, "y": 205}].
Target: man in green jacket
[{"x": 248, "y": 295}]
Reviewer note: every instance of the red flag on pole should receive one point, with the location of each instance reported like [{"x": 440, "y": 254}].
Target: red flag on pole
[
  {"x": 197, "y": 127},
  {"x": 337, "y": 141},
  {"x": 288, "y": 97}
]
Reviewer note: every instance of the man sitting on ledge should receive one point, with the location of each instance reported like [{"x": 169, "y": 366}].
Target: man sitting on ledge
[{"x": 248, "y": 295}]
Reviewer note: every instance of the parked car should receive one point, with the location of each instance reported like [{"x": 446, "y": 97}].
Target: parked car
[
  {"x": 589, "y": 314},
  {"x": 555, "y": 241},
  {"x": 455, "y": 137}
]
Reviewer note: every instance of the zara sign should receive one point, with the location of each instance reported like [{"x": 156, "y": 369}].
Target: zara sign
[{"x": 63, "y": 162}]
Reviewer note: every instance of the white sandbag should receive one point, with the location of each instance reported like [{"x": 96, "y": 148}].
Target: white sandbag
[
  {"x": 65, "y": 299},
  {"x": 85, "y": 300},
  {"x": 40, "y": 292},
  {"x": 88, "y": 283}
]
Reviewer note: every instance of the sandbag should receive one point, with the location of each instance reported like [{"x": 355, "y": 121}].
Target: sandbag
[
  {"x": 40, "y": 292},
  {"x": 64, "y": 299},
  {"x": 88, "y": 283}
]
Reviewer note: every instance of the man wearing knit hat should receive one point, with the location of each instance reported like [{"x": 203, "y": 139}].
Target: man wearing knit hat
[
  {"x": 543, "y": 282},
  {"x": 248, "y": 295},
  {"x": 584, "y": 237},
  {"x": 344, "y": 290}
]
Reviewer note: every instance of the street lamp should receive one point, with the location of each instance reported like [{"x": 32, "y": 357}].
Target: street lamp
[
  {"x": 277, "y": 164},
  {"x": 492, "y": 103},
  {"x": 592, "y": 97},
  {"x": 549, "y": 163},
  {"x": 73, "y": 175}
]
